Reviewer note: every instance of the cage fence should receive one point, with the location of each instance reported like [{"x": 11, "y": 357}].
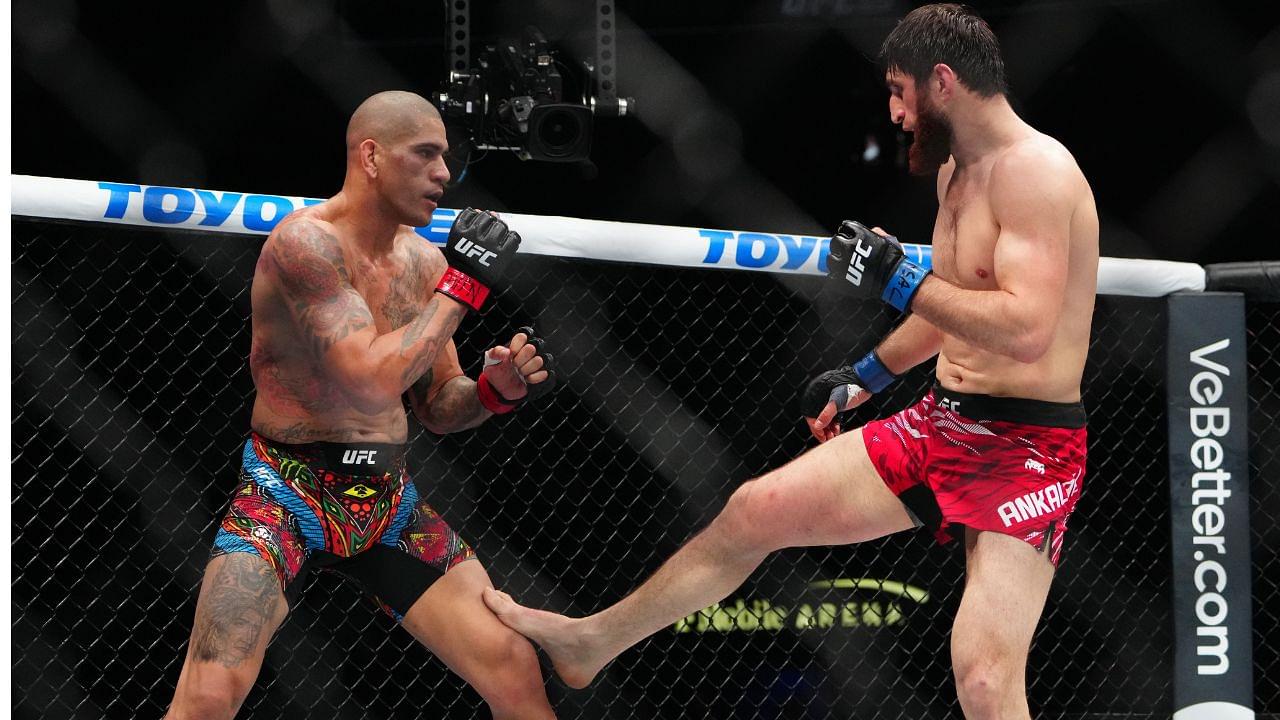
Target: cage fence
[{"x": 131, "y": 399}]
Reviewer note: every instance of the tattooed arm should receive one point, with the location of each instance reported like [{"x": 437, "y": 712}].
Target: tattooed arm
[
  {"x": 444, "y": 400},
  {"x": 372, "y": 370}
]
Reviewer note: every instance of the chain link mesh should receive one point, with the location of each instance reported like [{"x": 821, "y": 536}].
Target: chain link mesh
[
  {"x": 1263, "y": 327},
  {"x": 131, "y": 400}
]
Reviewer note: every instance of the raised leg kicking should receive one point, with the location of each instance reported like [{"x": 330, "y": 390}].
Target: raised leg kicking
[{"x": 994, "y": 454}]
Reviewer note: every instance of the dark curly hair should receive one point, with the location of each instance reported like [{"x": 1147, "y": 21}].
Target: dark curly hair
[{"x": 951, "y": 34}]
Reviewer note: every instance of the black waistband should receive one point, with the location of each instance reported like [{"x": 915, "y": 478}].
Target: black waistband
[
  {"x": 1011, "y": 409},
  {"x": 345, "y": 458}
]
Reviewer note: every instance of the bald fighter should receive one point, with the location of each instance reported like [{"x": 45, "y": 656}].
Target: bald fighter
[
  {"x": 994, "y": 454},
  {"x": 351, "y": 311}
]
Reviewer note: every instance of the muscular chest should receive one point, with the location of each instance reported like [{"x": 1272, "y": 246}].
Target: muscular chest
[
  {"x": 395, "y": 294},
  {"x": 964, "y": 236}
]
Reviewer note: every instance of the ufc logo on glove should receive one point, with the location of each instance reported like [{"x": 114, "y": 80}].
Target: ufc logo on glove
[
  {"x": 874, "y": 264},
  {"x": 470, "y": 249},
  {"x": 856, "y": 268}
]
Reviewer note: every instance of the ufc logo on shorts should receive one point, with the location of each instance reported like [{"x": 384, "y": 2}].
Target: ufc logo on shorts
[
  {"x": 949, "y": 404},
  {"x": 357, "y": 457},
  {"x": 265, "y": 477},
  {"x": 856, "y": 268},
  {"x": 470, "y": 249},
  {"x": 1035, "y": 465}
]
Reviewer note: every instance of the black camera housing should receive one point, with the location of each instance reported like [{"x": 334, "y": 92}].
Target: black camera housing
[{"x": 513, "y": 99}]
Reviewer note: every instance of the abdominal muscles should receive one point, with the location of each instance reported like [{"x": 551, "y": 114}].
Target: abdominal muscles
[{"x": 1054, "y": 377}]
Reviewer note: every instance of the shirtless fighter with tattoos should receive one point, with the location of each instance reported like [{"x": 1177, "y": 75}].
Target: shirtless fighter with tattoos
[{"x": 351, "y": 311}]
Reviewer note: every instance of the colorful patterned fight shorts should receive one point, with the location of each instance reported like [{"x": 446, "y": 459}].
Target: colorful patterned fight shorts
[
  {"x": 350, "y": 508},
  {"x": 1008, "y": 465}
]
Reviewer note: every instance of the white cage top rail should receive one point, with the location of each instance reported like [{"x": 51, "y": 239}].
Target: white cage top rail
[{"x": 161, "y": 206}]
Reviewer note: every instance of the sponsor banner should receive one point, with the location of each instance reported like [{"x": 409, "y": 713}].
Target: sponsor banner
[
  {"x": 871, "y": 603},
  {"x": 249, "y": 213},
  {"x": 253, "y": 213},
  {"x": 1209, "y": 513}
]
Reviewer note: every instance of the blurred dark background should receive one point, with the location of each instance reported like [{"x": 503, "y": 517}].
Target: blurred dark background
[
  {"x": 131, "y": 392},
  {"x": 750, "y": 115}
]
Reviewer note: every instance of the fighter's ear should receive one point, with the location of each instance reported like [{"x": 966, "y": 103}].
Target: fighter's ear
[
  {"x": 367, "y": 152},
  {"x": 943, "y": 81}
]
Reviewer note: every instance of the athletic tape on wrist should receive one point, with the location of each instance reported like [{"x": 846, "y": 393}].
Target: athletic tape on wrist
[
  {"x": 874, "y": 375},
  {"x": 903, "y": 284},
  {"x": 463, "y": 288},
  {"x": 491, "y": 399}
]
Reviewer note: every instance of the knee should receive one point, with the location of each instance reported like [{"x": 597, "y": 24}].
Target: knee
[
  {"x": 746, "y": 519},
  {"x": 215, "y": 699},
  {"x": 985, "y": 686},
  {"x": 510, "y": 680}
]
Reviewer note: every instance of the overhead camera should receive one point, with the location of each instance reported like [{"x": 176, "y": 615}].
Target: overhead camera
[{"x": 513, "y": 98}]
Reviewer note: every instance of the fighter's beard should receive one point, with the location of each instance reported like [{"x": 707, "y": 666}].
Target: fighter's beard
[{"x": 931, "y": 145}]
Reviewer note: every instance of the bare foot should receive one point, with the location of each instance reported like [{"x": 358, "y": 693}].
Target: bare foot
[{"x": 575, "y": 659}]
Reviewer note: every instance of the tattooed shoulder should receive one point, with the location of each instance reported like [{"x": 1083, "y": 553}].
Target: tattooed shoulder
[
  {"x": 308, "y": 259},
  {"x": 313, "y": 278}
]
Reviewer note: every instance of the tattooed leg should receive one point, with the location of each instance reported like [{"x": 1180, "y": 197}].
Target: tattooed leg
[
  {"x": 242, "y": 599},
  {"x": 239, "y": 609}
]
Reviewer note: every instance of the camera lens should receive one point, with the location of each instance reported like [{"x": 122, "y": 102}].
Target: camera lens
[{"x": 559, "y": 131}]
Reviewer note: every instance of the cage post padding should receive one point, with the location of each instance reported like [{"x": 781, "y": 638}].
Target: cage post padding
[{"x": 1209, "y": 507}]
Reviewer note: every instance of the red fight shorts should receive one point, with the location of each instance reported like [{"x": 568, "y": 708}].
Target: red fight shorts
[{"x": 1007, "y": 465}]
